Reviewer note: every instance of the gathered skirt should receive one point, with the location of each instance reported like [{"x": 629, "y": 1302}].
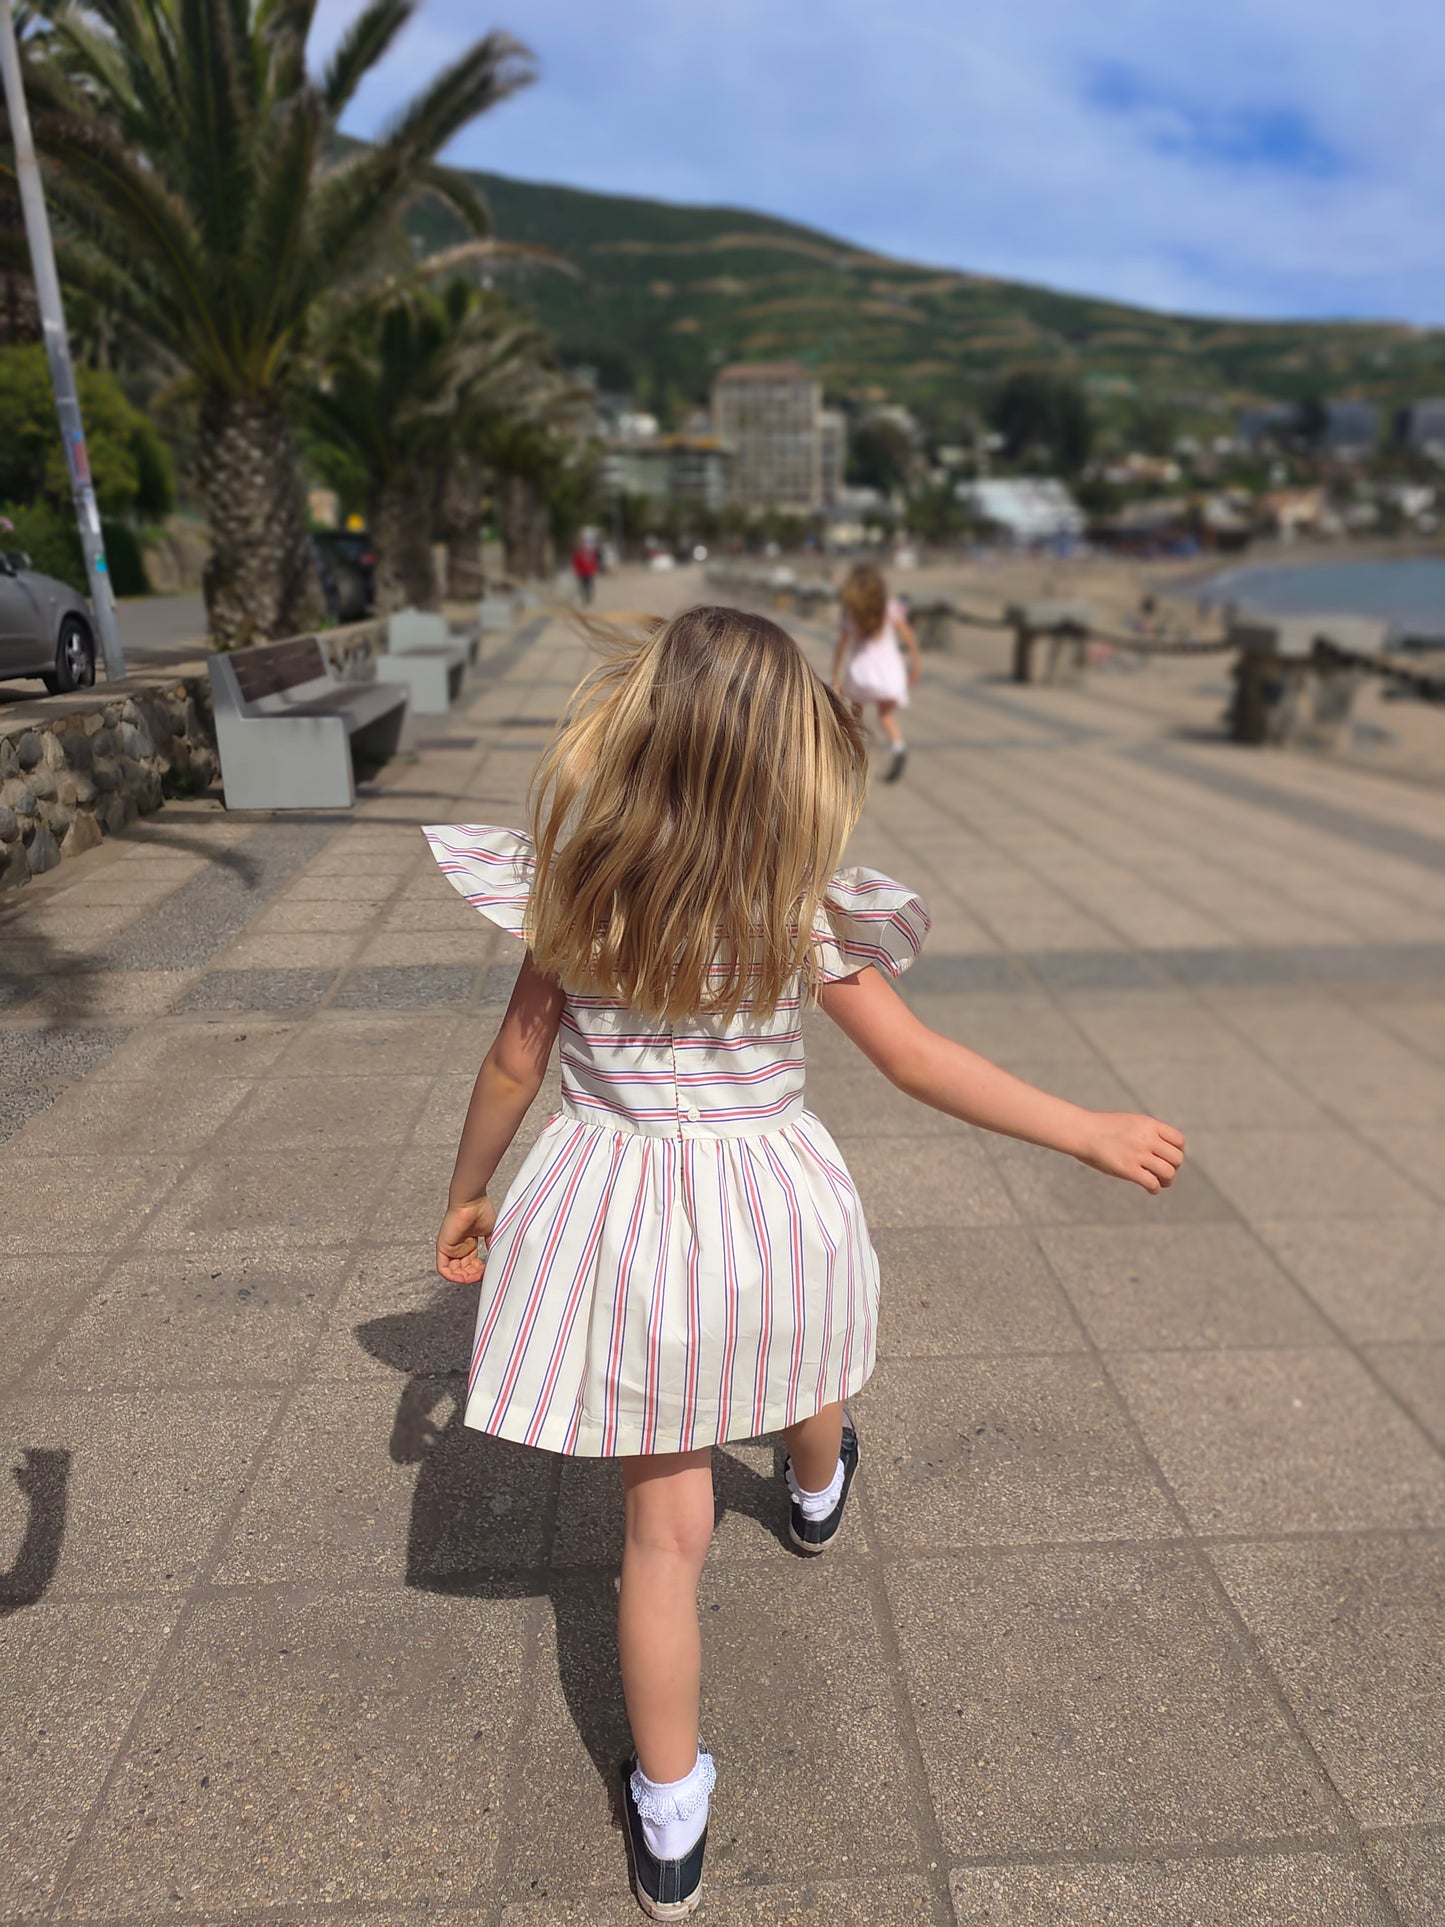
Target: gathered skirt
[
  {"x": 656, "y": 1294},
  {"x": 876, "y": 673}
]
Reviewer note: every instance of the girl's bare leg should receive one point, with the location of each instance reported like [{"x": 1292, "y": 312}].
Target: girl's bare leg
[
  {"x": 888, "y": 723},
  {"x": 669, "y": 1502},
  {"x": 813, "y": 1445}
]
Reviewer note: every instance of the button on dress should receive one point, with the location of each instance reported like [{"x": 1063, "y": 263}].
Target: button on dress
[{"x": 682, "y": 1257}]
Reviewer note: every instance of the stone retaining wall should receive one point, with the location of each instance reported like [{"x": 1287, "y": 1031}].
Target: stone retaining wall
[{"x": 65, "y": 784}]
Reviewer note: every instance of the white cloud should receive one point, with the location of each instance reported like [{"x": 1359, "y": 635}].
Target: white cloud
[{"x": 1257, "y": 156}]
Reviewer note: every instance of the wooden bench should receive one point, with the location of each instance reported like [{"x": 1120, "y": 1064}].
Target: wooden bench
[
  {"x": 422, "y": 654},
  {"x": 287, "y": 728}
]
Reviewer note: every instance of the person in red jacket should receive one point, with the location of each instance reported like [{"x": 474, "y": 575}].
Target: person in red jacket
[{"x": 584, "y": 567}]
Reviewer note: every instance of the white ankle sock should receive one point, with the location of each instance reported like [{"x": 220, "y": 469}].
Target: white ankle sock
[
  {"x": 674, "y": 1812},
  {"x": 817, "y": 1505}
]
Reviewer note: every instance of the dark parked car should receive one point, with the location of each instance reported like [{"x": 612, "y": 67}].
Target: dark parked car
[
  {"x": 346, "y": 562},
  {"x": 45, "y": 627}
]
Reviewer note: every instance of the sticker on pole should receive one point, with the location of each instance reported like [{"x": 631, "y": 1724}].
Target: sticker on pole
[
  {"x": 79, "y": 460},
  {"x": 91, "y": 508}
]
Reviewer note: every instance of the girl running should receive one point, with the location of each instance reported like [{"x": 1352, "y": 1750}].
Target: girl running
[
  {"x": 868, "y": 664},
  {"x": 682, "y": 1258}
]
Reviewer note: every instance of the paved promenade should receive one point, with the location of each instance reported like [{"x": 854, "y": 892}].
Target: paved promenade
[{"x": 1139, "y": 1615}]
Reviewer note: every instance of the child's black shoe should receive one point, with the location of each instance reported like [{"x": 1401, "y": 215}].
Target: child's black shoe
[
  {"x": 895, "y": 764},
  {"x": 665, "y": 1889},
  {"x": 816, "y": 1535}
]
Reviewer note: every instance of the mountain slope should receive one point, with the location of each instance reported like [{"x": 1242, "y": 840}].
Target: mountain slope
[{"x": 669, "y": 293}]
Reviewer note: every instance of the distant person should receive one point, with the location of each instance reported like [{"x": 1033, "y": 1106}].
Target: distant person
[
  {"x": 868, "y": 664},
  {"x": 585, "y": 563},
  {"x": 682, "y": 1257}
]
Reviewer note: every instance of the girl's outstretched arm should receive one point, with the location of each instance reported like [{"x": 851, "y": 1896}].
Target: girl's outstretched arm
[
  {"x": 510, "y": 1077},
  {"x": 950, "y": 1078}
]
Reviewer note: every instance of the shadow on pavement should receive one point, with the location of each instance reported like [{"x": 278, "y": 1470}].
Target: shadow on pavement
[
  {"x": 44, "y": 1478},
  {"x": 467, "y": 1482}
]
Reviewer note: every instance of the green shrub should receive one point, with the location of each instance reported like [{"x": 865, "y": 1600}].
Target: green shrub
[
  {"x": 50, "y": 539},
  {"x": 124, "y": 559}
]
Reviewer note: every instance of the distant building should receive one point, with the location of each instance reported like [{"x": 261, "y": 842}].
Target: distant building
[
  {"x": 768, "y": 414},
  {"x": 832, "y": 455},
  {"x": 1350, "y": 427},
  {"x": 1029, "y": 508},
  {"x": 669, "y": 468},
  {"x": 1422, "y": 424},
  {"x": 1256, "y": 425}
]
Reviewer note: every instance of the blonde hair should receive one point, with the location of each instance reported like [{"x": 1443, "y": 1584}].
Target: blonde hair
[
  {"x": 688, "y": 816},
  {"x": 865, "y": 601}
]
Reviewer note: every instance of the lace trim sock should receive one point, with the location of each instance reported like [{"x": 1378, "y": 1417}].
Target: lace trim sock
[
  {"x": 817, "y": 1505},
  {"x": 674, "y": 1812}
]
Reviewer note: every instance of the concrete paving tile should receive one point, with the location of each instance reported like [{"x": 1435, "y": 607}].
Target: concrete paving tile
[
  {"x": 329, "y": 1751},
  {"x": 1379, "y": 1279},
  {"x": 444, "y": 1110},
  {"x": 73, "y": 1201},
  {"x": 1008, "y": 1029},
  {"x": 338, "y": 1043},
  {"x": 306, "y": 914},
  {"x": 926, "y": 1181},
  {"x": 1353, "y": 1629},
  {"x": 1418, "y": 1022},
  {"x": 410, "y": 945},
  {"x": 897, "y": 1900},
  {"x": 150, "y": 1476},
  {"x": 321, "y": 1113},
  {"x": 278, "y": 989},
  {"x": 989, "y": 1289},
  {"x": 175, "y": 1320},
  {"x": 1289, "y": 1025},
  {"x": 1082, "y": 973},
  {"x": 1237, "y": 1088},
  {"x": 101, "y": 1116},
  {"x": 1303, "y": 1174},
  {"x": 417, "y": 986},
  {"x": 345, "y": 887},
  {"x": 1417, "y": 1150},
  {"x": 1055, "y": 1716},
  {"x": 42, "y": 1053},
  {"x": 1163, "y": 1025},
  {"x": 1281, "y": 1441},
  {"x": 1267, "y": 1890},
  {"x": 372, "y": 1484},
  {"x": 1153, "y": 1287},
  {"x": 1416, "y": 1374},
  {"x": 21, "y": 1102},
  {"x": 395, "y": 1314},
  {"x": 60, "y": 1723},
  {"x": 290, "y": 950},
  {"x": 1048, "y": 1188},
  {"x": 1387, "y": 1085},
  {"x": 965, "y": 973},
  {"x": 37, "y": 1294},
  {"x": 781, "y": 1640},
  {"x": 180, "y": 1052},
  {"x": 1015, "y": 1451},
  {"x": 414, "y": 1197},
  {"x": 1412, "y": 1866},
  {"x": 292, "y": 1198}
]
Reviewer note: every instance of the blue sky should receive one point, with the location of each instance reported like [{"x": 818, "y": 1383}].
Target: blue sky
[{"x": 1245, "y": 157}]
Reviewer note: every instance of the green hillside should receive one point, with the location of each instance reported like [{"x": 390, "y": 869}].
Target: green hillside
[{"x": 667, "y": 294}]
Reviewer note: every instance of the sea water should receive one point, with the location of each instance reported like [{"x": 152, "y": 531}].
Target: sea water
[{"x": 1408, "y": 592}]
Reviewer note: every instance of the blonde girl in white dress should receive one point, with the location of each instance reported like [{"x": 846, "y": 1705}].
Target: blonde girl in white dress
[
  {"x": 868, "y": 664},
  {"x": 682, "y": 1258}
]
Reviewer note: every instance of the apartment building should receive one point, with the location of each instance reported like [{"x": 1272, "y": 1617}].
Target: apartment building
[{"x": 768, "y": 413}]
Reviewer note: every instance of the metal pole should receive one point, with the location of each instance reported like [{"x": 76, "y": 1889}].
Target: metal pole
[{"x": 57, "y": 348}]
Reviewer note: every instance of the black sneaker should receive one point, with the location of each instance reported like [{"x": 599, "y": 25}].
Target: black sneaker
[
  {"x": 895, "y": 767},
  {"x": 665, "y": 1889},
  {"x": 816, "y": 1535}
]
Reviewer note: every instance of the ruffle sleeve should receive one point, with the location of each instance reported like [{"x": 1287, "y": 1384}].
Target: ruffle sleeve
[
  {"x": 867, "y": 918},
  {"x": 491, "y": 868}
]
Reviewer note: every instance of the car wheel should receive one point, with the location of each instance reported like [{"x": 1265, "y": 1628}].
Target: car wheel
[{"x": 74, "y": 659}]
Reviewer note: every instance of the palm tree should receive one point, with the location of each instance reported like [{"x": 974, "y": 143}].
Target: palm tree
[
  {"x": 409, "y": 385},
  {"x": 205, "y": 195}
]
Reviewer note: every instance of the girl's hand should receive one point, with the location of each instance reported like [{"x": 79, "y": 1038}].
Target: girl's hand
[
  {"x": 1140, "y": 1149},
  {"x": 915, "y": 673},
  {"x": 465, "y": 1230}
]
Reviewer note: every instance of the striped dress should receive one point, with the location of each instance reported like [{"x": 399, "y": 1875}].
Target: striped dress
[{"x": 682, "y": 1258}]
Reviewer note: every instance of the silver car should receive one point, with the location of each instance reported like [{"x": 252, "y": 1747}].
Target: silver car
[{"x": 45, "y": 627}]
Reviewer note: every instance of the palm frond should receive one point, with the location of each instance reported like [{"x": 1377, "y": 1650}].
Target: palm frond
[{"x": 361, "y": 46}]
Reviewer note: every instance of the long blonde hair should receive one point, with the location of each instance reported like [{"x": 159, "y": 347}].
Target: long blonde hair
[
  {"x": 688, "y": 816},
  {"x": 865, "y": 601}
]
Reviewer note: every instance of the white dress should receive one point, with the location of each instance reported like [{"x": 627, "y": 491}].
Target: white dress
[
  {"x": 875, "y": 671},
  {"x": 682, "y": 1257}
]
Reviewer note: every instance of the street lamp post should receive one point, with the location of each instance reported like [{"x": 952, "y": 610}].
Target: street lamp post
[{"x": 57, "y": 349}]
